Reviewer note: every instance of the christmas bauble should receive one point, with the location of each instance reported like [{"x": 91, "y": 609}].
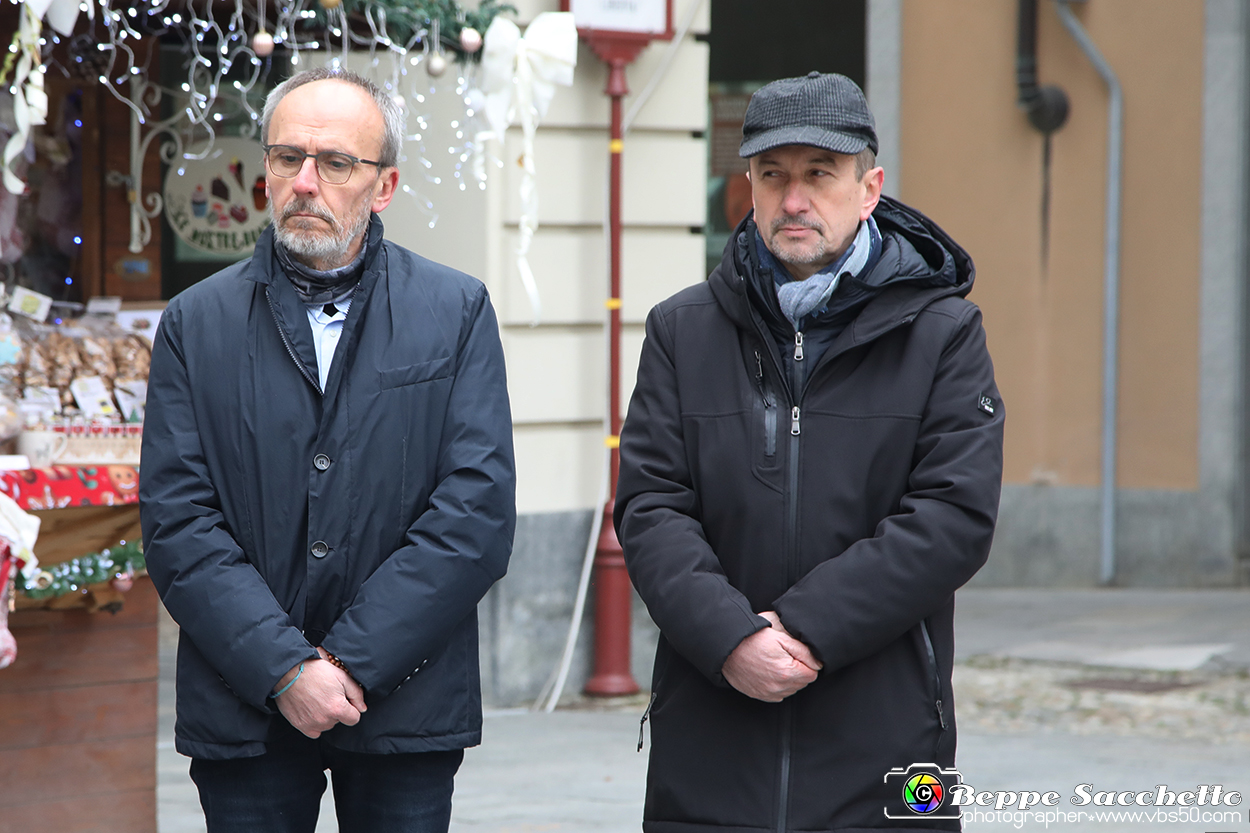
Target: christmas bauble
[
  {"x": 262, "y": 44},
  {"x": 331, "y": 4},
  {"x": 470, "y": 39},
  {"x": 435, "y": 65}
]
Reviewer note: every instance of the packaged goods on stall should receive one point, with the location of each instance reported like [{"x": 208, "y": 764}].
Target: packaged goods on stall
[
  {"x": 133, "y": 356},
  {"x": 10, "y": 419},
  {"x": 97, "y": 355},
  {"x": 64, "y": 361},
  {"x": 84, "y": 379},
  {"x": 11, "y": 359},
  {"x": 49, "y": 361}
]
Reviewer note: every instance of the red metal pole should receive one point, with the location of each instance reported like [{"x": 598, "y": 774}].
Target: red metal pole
[{"x": 613, "y": 595}]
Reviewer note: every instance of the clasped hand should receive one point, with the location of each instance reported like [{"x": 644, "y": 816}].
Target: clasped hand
[
  {"x": 770, "y": 665},
  {"x": 324, "y": 695}
]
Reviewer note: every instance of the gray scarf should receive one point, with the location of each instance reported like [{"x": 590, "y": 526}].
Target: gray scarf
[
  {"x": 316, "y": 287},
  {"x": 802, "y": 298}
]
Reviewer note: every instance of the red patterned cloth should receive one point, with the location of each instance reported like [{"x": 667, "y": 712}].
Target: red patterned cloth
[{"x": 61, "y": 486}]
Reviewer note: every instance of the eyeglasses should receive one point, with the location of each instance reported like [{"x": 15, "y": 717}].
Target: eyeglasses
[{"x": 333, "y": 167}]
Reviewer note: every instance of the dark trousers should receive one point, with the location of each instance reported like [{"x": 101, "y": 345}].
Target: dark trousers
[{"x": 280, "y": 791}]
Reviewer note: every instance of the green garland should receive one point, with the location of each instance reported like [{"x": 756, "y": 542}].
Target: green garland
[
  {"x": 74, "y": 575},
  {"x": 405, "y": 17}
]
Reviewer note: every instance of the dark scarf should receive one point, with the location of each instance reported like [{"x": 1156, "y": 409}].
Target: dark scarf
[{"x": 317, "y": 287}]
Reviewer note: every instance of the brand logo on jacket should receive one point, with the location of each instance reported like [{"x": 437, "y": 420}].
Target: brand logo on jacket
[
  {"x": 921, "y": 790},
  {"x": 986, "y": 403}
]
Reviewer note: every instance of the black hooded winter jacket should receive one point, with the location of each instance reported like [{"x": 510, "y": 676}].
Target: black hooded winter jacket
[
  {"x": 853, "y": 507},
  {"x": 369, "y": 519}
]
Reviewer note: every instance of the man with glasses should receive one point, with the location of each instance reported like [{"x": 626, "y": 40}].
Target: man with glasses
[{"x": 328, "y": 491}]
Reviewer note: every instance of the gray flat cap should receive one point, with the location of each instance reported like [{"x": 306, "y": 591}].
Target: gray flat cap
[{"x": 824, "y": 111}]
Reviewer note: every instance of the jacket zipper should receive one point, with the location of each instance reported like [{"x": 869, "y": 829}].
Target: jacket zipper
[
  {"x": 799, "y": 385},
  {"x": 643, "y": 723},
  {"x": 933, "y": 668},
  {"x": 783, "y": 805},
  {"x": 290, "y": 351},
  {"x": 787, "y": 706},
  {"x": 770, "y": 409},
  {"x": 792, "y": 556}
]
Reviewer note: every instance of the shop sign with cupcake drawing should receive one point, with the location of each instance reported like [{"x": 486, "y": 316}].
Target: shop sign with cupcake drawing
[{"x": 217, "y": 204}]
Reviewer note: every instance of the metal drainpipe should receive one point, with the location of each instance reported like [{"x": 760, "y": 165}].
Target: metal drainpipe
[
  {"x": 1111, "y": 290},
  {"x": 1047, "y": 106}
]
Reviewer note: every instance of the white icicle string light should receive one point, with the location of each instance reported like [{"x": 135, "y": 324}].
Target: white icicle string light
[
  {"x": 464, "y": 151},
  {"x": 125, "y": 24},
  {"x": 419, "y": 122},
  {"x": 114, "y": 44},
  {"x": 345, "y": 28},
  {"x": 294, "y": 14},
  {"x": 216, "y": 43}
]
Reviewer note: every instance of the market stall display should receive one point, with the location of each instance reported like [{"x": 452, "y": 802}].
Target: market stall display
[{"x": 77, "y": 621}]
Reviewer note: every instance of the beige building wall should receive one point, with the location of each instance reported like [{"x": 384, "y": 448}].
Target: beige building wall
[
  {"x": 971, "y": 161},
  {"x": 556, "y": 370},
  {"x": 557, "y": 377},
  {"x": 975, "y": 165}
]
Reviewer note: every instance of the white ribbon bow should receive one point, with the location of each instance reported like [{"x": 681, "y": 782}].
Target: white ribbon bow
[
  {"x": 519, "y": 74},
  {"x": 30, "y": 102}
]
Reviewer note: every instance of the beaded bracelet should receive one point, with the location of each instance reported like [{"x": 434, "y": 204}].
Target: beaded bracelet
[
  {"x": 337, "y": 663},
  {"x": 286, "y": 687}
]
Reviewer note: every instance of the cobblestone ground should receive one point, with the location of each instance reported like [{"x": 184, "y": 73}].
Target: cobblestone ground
[{"x": 1012, "y": 696}]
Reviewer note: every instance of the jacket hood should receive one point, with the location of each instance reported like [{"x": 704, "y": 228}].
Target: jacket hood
[{"x": 919, "y": 264}]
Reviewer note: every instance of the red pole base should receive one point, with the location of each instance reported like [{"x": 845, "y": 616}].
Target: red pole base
[{"x": 612, "y": 677}]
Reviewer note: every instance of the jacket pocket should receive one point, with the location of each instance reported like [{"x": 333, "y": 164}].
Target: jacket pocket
[
  {"x": 935, "y": 677},
  {"x": 416, "y": 373},
  {"x": 766, "y": 409}
]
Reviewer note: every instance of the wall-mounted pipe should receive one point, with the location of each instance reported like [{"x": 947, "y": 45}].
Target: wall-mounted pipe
[
  {"x": 1111, "y": 285},
  {"x": 1047, "y": 106}
]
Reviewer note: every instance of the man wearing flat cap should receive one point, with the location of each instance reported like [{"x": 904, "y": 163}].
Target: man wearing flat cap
[{"x": 810, "y": 468}]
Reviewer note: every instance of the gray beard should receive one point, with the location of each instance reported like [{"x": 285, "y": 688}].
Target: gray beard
[
  {"x": 322, "y": 250},
  {"x": 798, "y": 258},
  {"x": 813, "y": 256}
]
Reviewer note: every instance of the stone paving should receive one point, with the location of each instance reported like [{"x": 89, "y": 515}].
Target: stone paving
[
  {"x": 1005, "y": 696},
  {"x": 1124, "y": 690}
]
